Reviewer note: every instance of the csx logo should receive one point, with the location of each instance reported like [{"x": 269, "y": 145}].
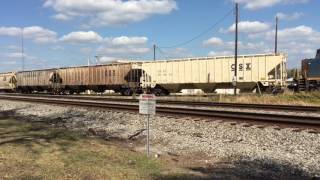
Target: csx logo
[{"x": 247, "y": 67}]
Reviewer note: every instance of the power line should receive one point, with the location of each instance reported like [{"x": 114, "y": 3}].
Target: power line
[
  {"x": 163, "y": 53},
  {"x": 202, "y": 33}
]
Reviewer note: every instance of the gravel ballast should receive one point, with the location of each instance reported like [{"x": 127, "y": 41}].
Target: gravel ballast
[{"x": 247, "y": 150}]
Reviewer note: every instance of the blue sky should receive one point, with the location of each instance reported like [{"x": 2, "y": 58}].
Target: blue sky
[{"x": 60, "y": 33}]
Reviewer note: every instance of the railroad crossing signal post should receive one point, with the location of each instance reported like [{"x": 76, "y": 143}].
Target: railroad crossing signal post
[{"x": 147, "y": 106}]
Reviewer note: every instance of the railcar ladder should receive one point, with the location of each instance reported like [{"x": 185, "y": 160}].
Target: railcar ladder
[{"x": 302, "y": 84}]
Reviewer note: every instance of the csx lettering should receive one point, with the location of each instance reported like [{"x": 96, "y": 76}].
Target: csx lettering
[
  {"x": 248, "y": 66},
  {"x": 241, "y": 67}
]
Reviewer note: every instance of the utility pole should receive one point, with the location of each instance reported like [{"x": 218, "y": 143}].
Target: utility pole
[
  {"x": 154, "y": 52},
  {"x": 276, "y": 37},
  {"x": 236, "y": 50},
  {"x": 22, "y": 49}
]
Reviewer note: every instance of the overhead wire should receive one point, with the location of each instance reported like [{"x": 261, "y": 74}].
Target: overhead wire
[
  {"x": 202, "y": 33},
  {"x": 162, "y": 52}
]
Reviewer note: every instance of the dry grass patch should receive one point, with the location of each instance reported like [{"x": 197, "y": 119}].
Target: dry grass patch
[
  {"x": 38, "y": 151},
  {"x": 289, "y": 98}
]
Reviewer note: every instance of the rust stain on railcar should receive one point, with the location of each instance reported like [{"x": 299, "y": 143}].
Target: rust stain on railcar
[
  {"x": 38, "y": 78},
  {"x": 113, "y": 74}
]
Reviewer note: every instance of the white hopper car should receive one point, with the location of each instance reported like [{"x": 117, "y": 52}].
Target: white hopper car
[
  {"x": 265, "y": 71},
  {"x": 7, "y": 82}
]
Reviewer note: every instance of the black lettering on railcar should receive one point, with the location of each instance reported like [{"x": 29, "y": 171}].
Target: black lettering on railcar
[
  {"x": 248, "y": 66},
  {"x": 232, "y": 67},
  {"x": 241, "y": 67}
]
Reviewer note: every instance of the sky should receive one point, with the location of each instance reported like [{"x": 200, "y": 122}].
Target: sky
[{"x": 60, "y": 33}]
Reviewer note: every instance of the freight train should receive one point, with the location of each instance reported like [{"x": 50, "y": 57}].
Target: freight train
[
  {"x": 261, "y": 72},
  {"x": 309, "y": 77}
]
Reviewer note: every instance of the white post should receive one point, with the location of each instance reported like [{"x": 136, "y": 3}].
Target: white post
[
  {"x": 147, "y": 106},
  {"x": 148, "y": 135}
]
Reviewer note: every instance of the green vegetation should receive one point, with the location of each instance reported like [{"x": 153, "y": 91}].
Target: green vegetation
[{"x": 39, "y": 151}]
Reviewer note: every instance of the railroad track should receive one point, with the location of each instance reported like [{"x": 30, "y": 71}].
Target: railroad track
[
  {"x": 187, "y": 103},
  {"x": 177, "y": 110}
]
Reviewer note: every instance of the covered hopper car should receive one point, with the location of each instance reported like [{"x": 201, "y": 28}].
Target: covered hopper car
[
  {"x": 37, "y": 80},
  {"x": 7, "y": 82},
  {"x": 120, "y": 77},
  {"x": 264, "y": 71}
]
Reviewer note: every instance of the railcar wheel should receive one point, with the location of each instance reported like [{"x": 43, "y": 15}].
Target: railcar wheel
[
  {"x": 159, "y": 92},
  {"x": 127, "y": 92}
]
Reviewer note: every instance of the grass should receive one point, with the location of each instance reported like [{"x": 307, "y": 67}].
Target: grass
[
  {"x": 39, "y": 151},
  {"x": 285, "y": 98},
  {"x": 290, "y": 98}
]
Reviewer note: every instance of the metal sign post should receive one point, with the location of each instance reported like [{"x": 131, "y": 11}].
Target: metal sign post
[{"x": 147, "y": 106}]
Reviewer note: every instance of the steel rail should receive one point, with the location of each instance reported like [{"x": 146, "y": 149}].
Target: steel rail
[
  {"x": 286, "y": 118},
  {"x": 192, "y": 103}
]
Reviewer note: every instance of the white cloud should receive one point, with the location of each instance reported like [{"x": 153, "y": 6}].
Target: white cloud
[
  {"x": 62, "y": 17},
  {"x": 10, "y": 31},
  {"x": 81, "y": 37},
  {"x": 39, "y": 34},
  {"x": 109, "y": 12},
  {"x": 35, "y": 33},
  {"x": 214, "y": 41},
  {"x": 104, "y": 59},
  {"x": 123, "y": 50},
  {"x": 258, "y": 4},
  {"x": 123, "y": 46},
  {"x": 294, "y": 16},
  {"x": 124, "y": 40},
  {"x": 302, "y": 32},
  {"x": 250, "y": 27}
]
